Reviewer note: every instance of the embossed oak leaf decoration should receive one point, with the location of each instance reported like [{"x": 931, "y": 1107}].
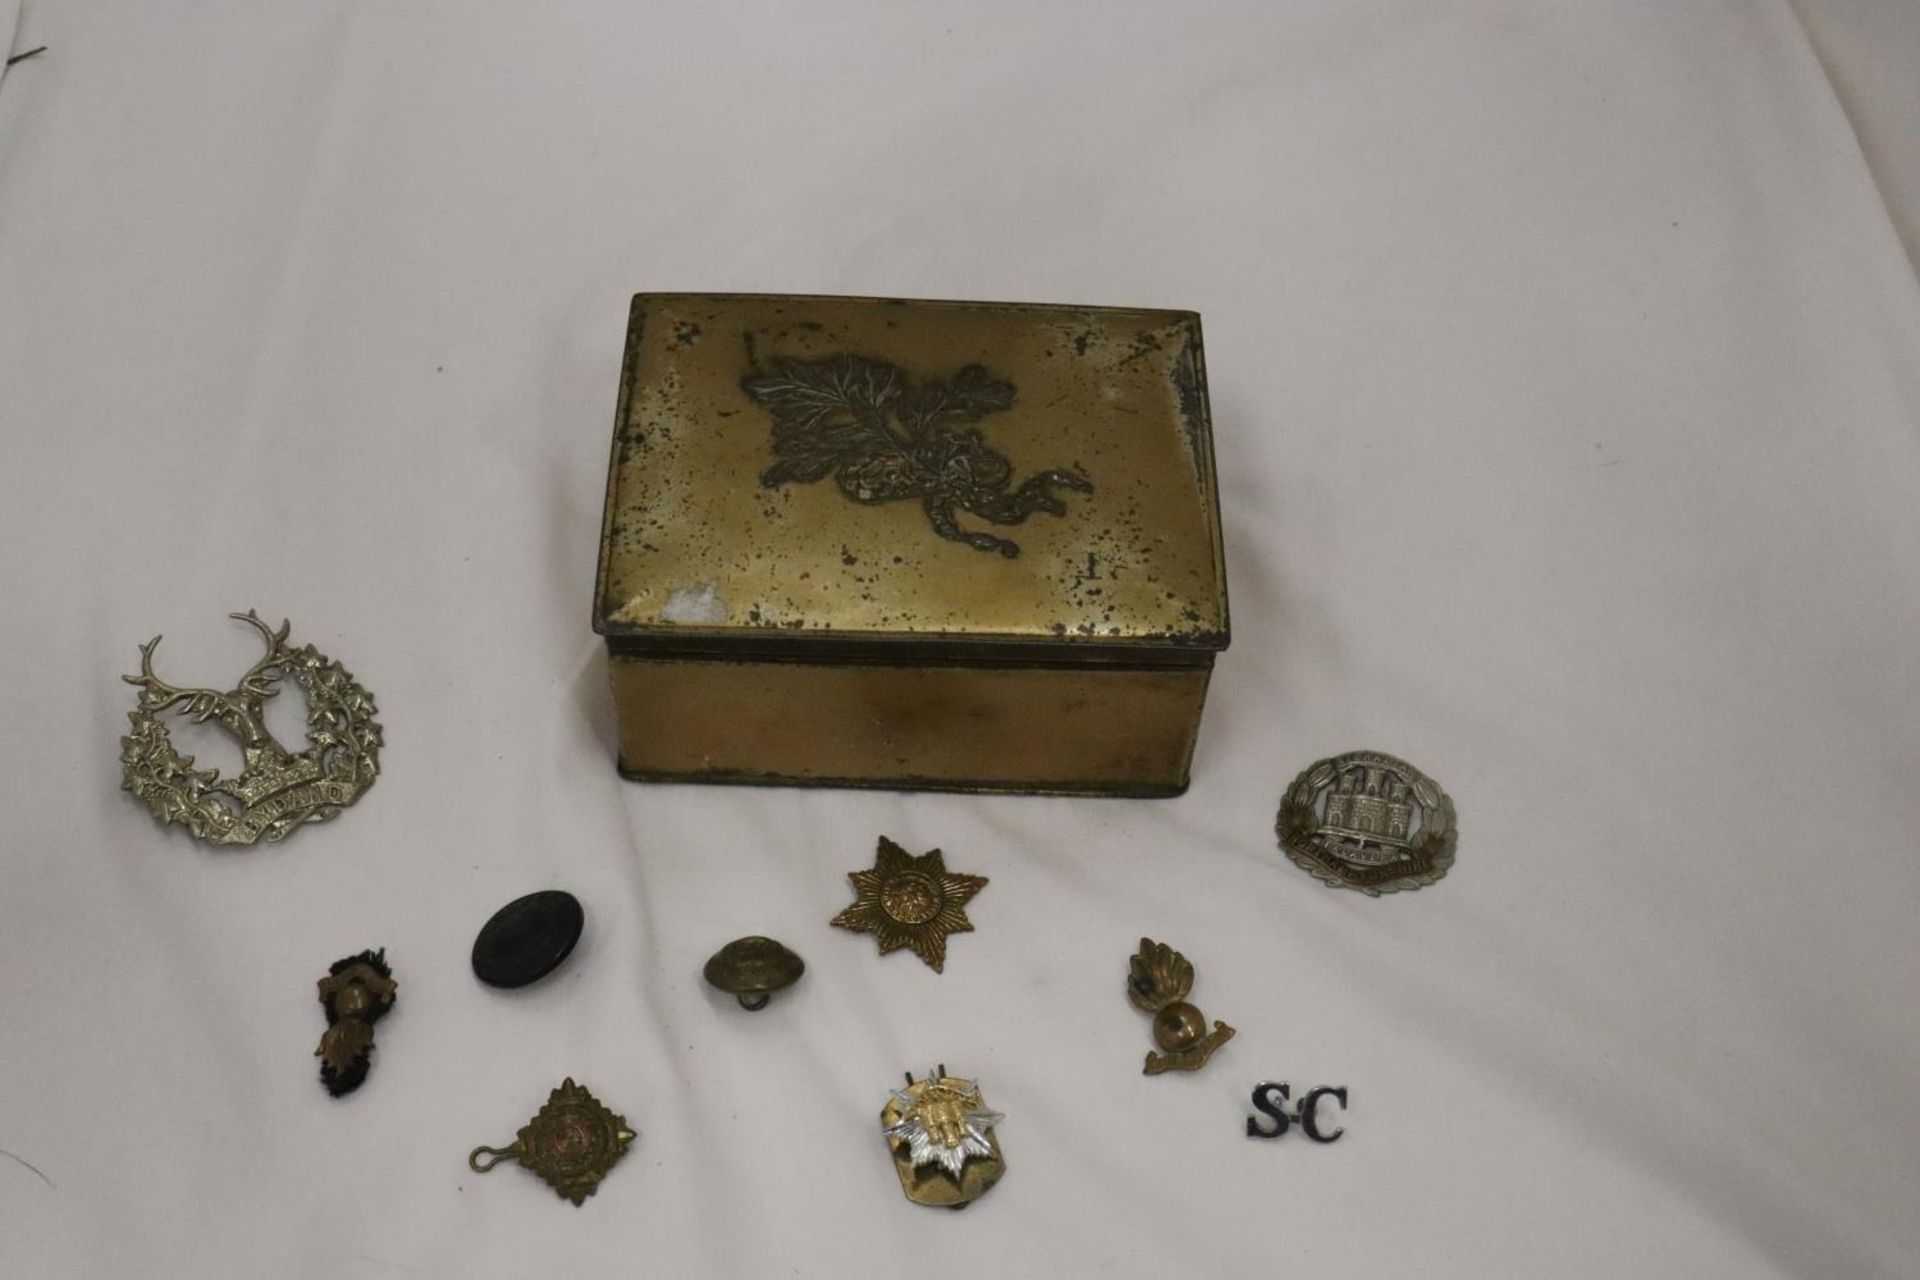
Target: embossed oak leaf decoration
[{"x": 884, "y": 440}]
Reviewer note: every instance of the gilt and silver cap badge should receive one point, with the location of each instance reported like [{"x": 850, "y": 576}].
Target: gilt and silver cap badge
[
  {"x": 1368, "y": 821},
  {"x": 277, "y": 790},
  {"x": 944, "y": 1147}
]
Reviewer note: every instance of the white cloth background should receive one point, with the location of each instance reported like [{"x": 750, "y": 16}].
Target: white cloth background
[{"x": 1564, "y": 365}]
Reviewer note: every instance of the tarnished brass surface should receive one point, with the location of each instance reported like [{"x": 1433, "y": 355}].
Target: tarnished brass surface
[
  {"x": 794, "y": 467},
  {"x": 277, "y": 791},
  {"x": 910, "y": 902},
  {"x": 571, "y": 1143},
  {"x": 941, "y": 545},
  {"x": 1123, "y": 731},
  {"x": 1159, "y": 979},
  {"x": 941, "y": 1132},
  {"x": 752, "y": 969}
]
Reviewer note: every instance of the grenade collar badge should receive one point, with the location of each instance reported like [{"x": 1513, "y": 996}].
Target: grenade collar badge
[{"x": 1158, "y": 982}]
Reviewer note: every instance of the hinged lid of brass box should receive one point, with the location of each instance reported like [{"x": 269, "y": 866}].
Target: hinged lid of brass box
[{"x": 852, "y": 480}]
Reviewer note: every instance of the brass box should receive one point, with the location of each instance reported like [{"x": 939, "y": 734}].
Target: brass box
[{"x": 950, "y": 545}]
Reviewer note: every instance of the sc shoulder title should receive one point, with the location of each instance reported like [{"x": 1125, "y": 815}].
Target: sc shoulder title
[{"x": 1275, "y": 1102}]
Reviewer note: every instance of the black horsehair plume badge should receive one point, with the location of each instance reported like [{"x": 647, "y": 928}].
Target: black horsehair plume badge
[{"x": 356, "y": 993}]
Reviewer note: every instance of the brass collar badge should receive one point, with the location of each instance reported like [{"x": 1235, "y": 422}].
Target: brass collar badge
[
  {"x": 356, "y": 993},
  {"x": 1158, "y": 981},
  {"x": 944, "y": 1147},
  {"x": 910, "y": 902},
  {"x": 571, "y": 1143},
  {"x": 1370, "y": 822},
  {"x": 277, "y": 790}
]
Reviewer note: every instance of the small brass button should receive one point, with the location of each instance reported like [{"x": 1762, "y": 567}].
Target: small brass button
[{"x": 752, "y": 969}]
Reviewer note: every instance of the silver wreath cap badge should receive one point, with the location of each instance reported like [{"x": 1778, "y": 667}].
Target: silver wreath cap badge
[
  {"x": 1368, "y": 821},
  {"x": 277, "y": 790}
]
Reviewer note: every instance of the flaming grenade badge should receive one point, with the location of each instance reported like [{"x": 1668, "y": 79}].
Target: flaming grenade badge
[{"x": 1159, "y": 979}]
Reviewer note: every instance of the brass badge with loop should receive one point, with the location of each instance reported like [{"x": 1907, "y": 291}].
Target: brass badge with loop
[
  {"x": 571, "y": 1143},
  {"x": 277, "y": 790}
]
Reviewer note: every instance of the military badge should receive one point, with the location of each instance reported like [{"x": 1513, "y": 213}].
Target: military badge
[
  {"x": 1368, "y": 821},
  {"x": 571, "y": 1143},
  {"x": 941, "y": 1134},
  {"x": 910, "y": 902},
  {"x": 278, "y": 790},
  {"x": 356, "y": 993},
  {"x": 1159, "y": 980}
]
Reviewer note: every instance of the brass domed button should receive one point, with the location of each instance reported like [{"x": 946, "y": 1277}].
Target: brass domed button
[{"x": 752, "y": 969}]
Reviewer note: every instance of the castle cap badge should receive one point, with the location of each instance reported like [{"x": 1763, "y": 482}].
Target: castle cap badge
[
  {"x": 277, "y": 790},
  {"x": 1368, "y": 821}
]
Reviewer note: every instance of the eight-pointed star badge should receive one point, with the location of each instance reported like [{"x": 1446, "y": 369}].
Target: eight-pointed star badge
[{"x": 910, "y": 902}]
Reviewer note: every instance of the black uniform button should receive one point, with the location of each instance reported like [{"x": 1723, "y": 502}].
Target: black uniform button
[{"x": 527, "y": 939}]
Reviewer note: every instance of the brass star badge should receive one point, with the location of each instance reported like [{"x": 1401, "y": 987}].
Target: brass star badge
[{"x": 910, "y": 902}]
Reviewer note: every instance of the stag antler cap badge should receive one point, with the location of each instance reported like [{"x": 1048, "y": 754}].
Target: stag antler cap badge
[
  {"x": 277, "y": 790},
  {"x": 1158, "y": 982}
]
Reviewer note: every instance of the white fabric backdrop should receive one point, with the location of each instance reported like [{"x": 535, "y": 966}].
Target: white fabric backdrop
[{"x": 1564, "y": 365}]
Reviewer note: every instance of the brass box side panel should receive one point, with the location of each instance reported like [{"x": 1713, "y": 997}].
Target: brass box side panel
[
  {"x": 1056, "y": 730},
  {"x": 725, "y": 519}
]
